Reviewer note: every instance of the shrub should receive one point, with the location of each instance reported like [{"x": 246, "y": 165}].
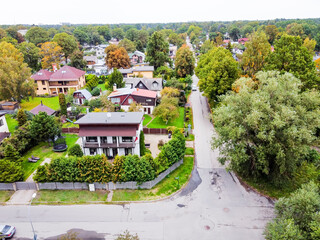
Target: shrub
[
  {"x": 160, "y": 144},
  {"x": 142, "y": 144},
  {"x": 21, "y": 117},
  {"x": 10, "y": 171},
  {"x": 118, "y": 174},
  {"x": 63, "y": 104},
  {"x": 95, "y": 91},
  {"x": 75, "y": 150},
  {"x": 41, "y": 173}
]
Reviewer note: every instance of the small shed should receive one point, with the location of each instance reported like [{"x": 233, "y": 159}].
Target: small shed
[
  {"x": 6, "y": 105},
  {"x": 80, "y": 96},
  {"x": 42, "y": 108}
]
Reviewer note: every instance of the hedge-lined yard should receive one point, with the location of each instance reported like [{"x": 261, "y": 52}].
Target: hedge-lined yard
[
  {"x": 157, "y": 122},
  {"x": 51, "y": 102}
]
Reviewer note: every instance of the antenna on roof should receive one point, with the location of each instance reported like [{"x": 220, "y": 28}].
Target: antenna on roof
[{"x": 108, "y": 115}]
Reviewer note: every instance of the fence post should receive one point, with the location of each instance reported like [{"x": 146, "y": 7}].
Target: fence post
[{"x": 14, "y": 186}]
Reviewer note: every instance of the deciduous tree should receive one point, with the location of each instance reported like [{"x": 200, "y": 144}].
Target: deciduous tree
[
  {"x": 67, "y": 43},
  {"x": 117, "y": 57},
  {"x": 77, "y": 60},
  {"x": 31, "y": 55},
  {"x": 118, "y": 33},
  {"x": 128, "y": 45},
  {"x": 37, "y": 35},
  {"x": 185, "y": 61},
  {"x": 116, "y": 78},
  {"x": 272, "y": 32},
  {"x": 51, "y": 54}
]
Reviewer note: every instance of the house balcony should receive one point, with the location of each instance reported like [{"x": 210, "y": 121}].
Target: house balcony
[
  {"x": 108, "y": 145},
  {"x": 91, "y": 144},
  {"x": 127, "y": 145},
  {"x": 63, "y": 85}
]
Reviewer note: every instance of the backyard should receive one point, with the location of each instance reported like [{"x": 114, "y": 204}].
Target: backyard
[
  {"x": 157, "y": 122},
  {"x": 12, "y": 123},
  {"x": 51, "y": 102},
  {"x": 43, "y": 151}
]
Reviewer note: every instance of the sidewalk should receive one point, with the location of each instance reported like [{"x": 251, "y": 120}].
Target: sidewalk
[{"x": 21, "y": 197}]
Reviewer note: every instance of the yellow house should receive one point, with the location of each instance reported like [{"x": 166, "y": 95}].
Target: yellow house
[
  {"x": 138, "y": 71},
  {"x": 61, "y": 81}
]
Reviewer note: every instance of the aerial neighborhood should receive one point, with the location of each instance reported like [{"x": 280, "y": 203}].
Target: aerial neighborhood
[{"x": 213, "y": 119}]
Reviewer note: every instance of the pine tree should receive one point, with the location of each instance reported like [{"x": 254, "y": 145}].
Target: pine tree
[
  {"x": 21, "y": 117},
  {"x": 63, "y": 105}
]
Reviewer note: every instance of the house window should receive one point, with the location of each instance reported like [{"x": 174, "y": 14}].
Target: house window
[
  {"x": 115, "y": 100},
  {"x": 44, "y": 89},
  {"x": 1, "y": 122},
  {"x": 92, "y": 151},
  {"x": 114, "y": 139},
  {"x": 130, "y": 100},
  {"x": 43, "y": 82},
  {"x": 140, "y": 85},
  {"x": 127, "y": 151},
  {"x": 104, "y": 139},
  {"x": 126, "y": 139},
  {"x": 91, "y": 139},
  {"x": 148, "y": 100},
  {"x": 155, "y": 84}
]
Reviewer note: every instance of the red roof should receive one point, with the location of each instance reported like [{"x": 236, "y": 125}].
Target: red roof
[
  {"x": 67, "y": 73},
  {"x": 144, "y": 93},
  {"x": 42, "y": 75}
]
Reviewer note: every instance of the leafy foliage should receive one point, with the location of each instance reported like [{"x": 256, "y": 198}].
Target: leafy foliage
[
  {"x": 67, "y": 43},
  {"x": 10, "y": 171},
  {"x": 75, "y": 150},
  {"x": 63, "y": 104},
  {"x": 21, "y": 117},
  {"x": 50, "y": 52},
  {"x": 37, "y": 35},
  {"x": 116, "y": 78},
  {"x": 184, "y": 62},
  {"x": 117, "y": 57},
  {"x": 142, "y": 144}
]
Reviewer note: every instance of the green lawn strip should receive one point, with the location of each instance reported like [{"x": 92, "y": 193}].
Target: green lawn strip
[
  {"x": 269, "y": 189},
  {"x": 51, "y": 102},
  {"x": 70, "y": 197},
  {"x": 70, "y": 125},
  {"x": 189, "y": 151},
  {"x": 146, "y": 120},
  {"x": 166, "y": 187},
  {"x": 43, "y": 151},
  {"x": 102, "y": 86},
  {"x": 12, "y": 123},
  {"x": 157, "y": 122},
  {"x": 5, "y": 196},
  {"x": 190, "y": 137}
]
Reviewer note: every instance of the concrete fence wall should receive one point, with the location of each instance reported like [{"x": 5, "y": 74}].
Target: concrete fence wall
[{"x": 85, "y": 186}]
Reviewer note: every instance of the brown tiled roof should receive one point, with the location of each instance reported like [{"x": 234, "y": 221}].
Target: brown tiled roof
[
  {"x": 42, "y": 75},
  {"x": 67, "y": 73},
  {"x": 42, "y": 108}
]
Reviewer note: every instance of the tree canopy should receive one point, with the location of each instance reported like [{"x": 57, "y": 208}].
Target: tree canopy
[
  {"x": 184, "y": 62},
  {"x": 37, "y": 35},
  {"x": 67, "y": 43},
  {"x": 117, "y": 57}
]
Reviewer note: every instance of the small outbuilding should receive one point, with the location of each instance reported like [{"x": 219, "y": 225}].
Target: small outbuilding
[
  {"x": 42, "y": 108},
  {"x": 80, "y": 96}
]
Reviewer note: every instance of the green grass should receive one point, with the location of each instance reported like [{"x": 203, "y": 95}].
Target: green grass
[
  {"x": 179, "y": 122},
  {"x": 70, "y": 125},
  {"x": 12, "y": 123},
  {"x": 69, "y": 197},
  {"x": 166, "y": 187},
  {"x": 102, "y": 86},
  {"x": 43, "y": 151},
  {"x": 5, "y": 196},
  {"x": 269, "y": 189},
  {"x": 190, "y": 137},
  {"x": 146, "y": 120},
  {"x": 51, "y": 102},
  {"x": 189, "y": 151}
]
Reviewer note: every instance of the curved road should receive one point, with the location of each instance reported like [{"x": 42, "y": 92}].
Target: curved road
[{"x": 214, "y": 205}]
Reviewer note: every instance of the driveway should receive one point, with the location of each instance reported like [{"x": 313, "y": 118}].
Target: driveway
[{"x": 214, "y": 205}]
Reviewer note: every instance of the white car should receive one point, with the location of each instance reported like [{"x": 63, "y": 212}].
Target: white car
[
  {"x": 194, "y": 87},
  {"x": 7, "y": 231}
]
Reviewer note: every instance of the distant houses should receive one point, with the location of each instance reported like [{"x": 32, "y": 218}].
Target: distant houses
[
  {"x": 138, "y": 71},
  {"x": 136, "y": 57},
  {"x": 112, "y": 133},
  {"x": 61, "y": 81},
  {"x": 124, "y": 97}
]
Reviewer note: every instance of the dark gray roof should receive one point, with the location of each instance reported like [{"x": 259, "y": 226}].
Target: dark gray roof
[
  {"x": 111, "y": 118},
  {"x": 144, "y": 69},
  {"x": 148, "y": 82},
  {"x": 126, "y": 70},
  {"x": 42, "y": 108},
  {"x": 85, "y": 93}
]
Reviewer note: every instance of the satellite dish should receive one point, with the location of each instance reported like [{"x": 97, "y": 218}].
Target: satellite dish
[{"x": 108, "y": 115}]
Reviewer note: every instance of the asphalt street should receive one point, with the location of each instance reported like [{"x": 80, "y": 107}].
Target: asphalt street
[{"x": 214, "y": 205}]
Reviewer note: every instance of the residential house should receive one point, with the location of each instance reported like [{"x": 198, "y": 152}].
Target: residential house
[
  {"x": 125, "y": 96},
  {"x": 138, "y": 71},
  {"x": 110, "y": 133},
  {"x": 152, "y": 84},
  {"x": 136, "y": 57},
  {"x": 243, "y": 40},
  {"x": 4, "y": 130},
  {"x": 61, "y": 81},
  {"x": 80, "y": 96},
  {"x": 172, "y": 51},
  {"x": 42, "y": 108},
  {"x": 11, "y": 106},
  {"x": 91, "y": 60}
]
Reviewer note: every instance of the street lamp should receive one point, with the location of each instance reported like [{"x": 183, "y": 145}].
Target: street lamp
[{"x": 34, "y": 234}]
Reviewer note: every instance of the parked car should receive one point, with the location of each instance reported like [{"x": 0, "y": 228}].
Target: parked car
[
  {"x": 194, "y": 87},
  {"x": 6, "y": 231}
]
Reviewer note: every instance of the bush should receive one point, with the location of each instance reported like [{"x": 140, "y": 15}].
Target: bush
[
  {"x": 75, "y": 150},
  {"x": 160, "y": 144},
  {"x": 95, "y": 91},
  {"x": 10, "y": 171},
  {"x": 142, "y": 144}
]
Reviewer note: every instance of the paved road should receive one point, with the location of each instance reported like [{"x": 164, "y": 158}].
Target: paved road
[{"x": 213, "y": 206}]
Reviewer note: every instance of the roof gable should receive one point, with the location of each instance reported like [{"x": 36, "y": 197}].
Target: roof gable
[
  {"x": 67, "y": 72},
  {"x": 43, "y": 74}
]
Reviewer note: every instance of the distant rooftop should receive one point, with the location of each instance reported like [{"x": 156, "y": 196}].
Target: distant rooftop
[
  {"x": 111, "y": 118},
  {"x": 42, "y": 108}
]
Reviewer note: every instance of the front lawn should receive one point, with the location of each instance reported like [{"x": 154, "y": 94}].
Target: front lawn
[
  {"x": 43, "y": 151},
  {"x": 12, "y": 123},
  {"x": 189, "y": 151},
  {"x": 166, "y": 187},
  {"x": 190, "y": 137},
  {"x": 157, "y": 122},
  {"x": 51, "y": 102},
  {"x": 70, "y": 197},
  {"x": 146, "y": 120},
  {"x": 5, "y": 196},
  {"x": 102, "y": 86}
]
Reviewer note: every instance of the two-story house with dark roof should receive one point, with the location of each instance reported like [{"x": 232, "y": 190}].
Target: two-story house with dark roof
[
  {"x": 61, "y": 81},
  {"x": 111, "y": 133}
]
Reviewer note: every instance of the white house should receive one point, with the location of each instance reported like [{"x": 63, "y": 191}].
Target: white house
[{"x": 4, "y": 130}]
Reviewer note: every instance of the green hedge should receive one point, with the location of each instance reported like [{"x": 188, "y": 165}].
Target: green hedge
[{"x": 124, "y": 168}]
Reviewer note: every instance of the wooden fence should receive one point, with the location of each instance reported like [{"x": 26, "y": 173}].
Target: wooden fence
[
  {"x": 70, "y": 130},
  {"x": 155, "y": 130}
]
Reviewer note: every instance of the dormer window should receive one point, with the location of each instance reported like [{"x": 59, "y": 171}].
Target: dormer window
[
  {"x": 39, "y": 73},
  {"x": 63, "y": 71}
]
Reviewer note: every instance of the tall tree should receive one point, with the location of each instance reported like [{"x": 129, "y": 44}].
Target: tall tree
[
  {"x": 51, "y": 54},
  {"x": 257, "y": 50},
  {"x": 290, "y": 55},
  {"x": 3, "y": 33},
  {"x": 31, "y": 55},
  {"x": 15, "y": 82},
  {"x": 157, "y": 50},
  {"x": 272, "y": 32},
  {"x": 265, "y": 132},
  {"x": 128, "y": 45},
  {"x": 37, "y": 35},
  {"x": 310, "y": 44},
  {"x": 234, "y": 33},
  {"x": 118, "y": 33},
  {"x": 116, "y": 78},
  {"x": 185, "y": 61},
  {"x": 81, "y": 36},
  {"x": 117, "y": 57},
  {"x": 67, "y": 43},
  {"x": 105, "y": 32},
  {"x": 217, "y": 71},
  {"x": 63, "y": 104},
  {"x": 77, "y": 60},
  {"x": 295, "y": 29}
]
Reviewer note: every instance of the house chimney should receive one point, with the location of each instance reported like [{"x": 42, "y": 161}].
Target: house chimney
[{"x": 114, "y": 87}]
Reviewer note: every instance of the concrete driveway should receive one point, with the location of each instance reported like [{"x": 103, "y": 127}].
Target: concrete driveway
[{"x": 214, "y": 205}]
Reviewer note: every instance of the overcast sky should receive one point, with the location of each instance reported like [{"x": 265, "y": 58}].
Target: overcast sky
[{"x": 151, "y": 11}]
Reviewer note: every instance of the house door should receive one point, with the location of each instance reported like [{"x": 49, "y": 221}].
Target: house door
[
  {"x": 149, "y": 111},
  {"x": 114, "y": 152},
  {"x": 80, "y": 101}
]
